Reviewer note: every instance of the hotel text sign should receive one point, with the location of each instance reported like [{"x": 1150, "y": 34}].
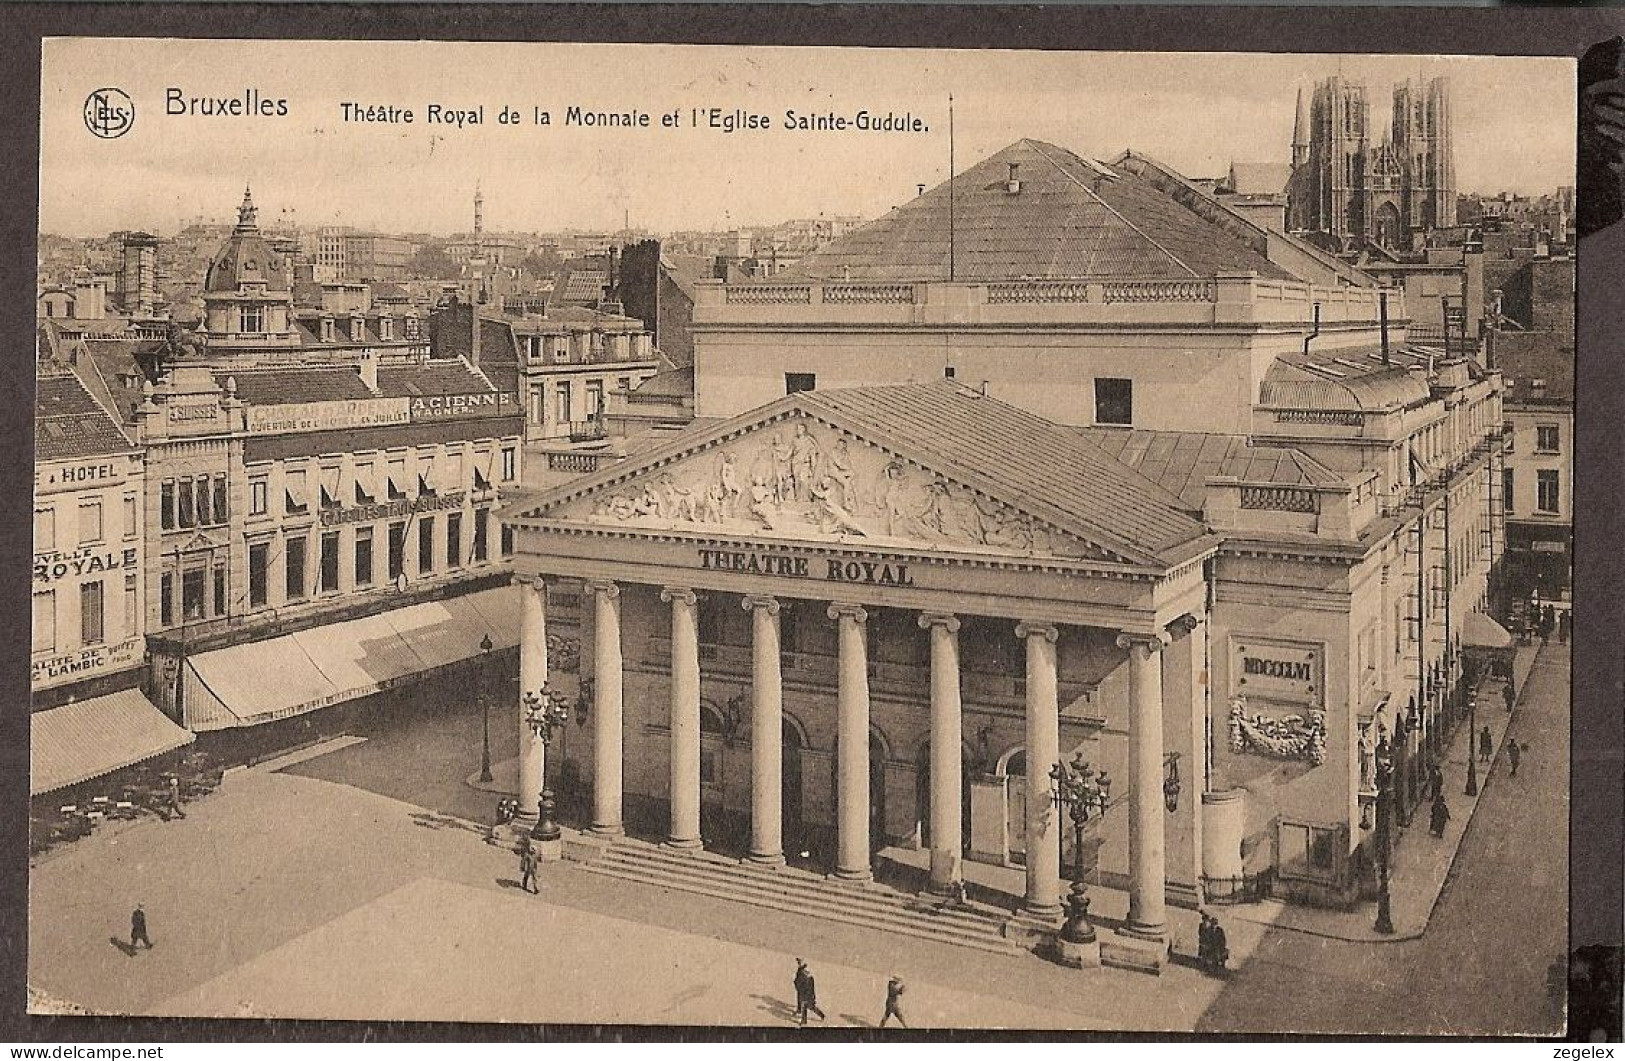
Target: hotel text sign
[
  {"x": 782, "y": 565},
  {"x": 89, "y": 560},
  {"x": 458, "y": 406},
  {"x": 327, "y": 416}
]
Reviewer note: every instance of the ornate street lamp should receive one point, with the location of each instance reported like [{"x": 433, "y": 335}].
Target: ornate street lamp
[
  {"x": 1079, "y": 789},
  {"x": 1472, "y": 744},
  {"x": 546, "y": 712},
  {"x": 1385, "y": 796},
  {"x": 485, "y": 710},
  {"x": 1170, "y": 782}
]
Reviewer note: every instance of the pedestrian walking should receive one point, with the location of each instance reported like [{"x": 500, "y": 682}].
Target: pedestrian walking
[
  {"x": 1440, "y": 816},
  {"x": 1213, "y": 947},
  {"x": 1486, "y": 745},
  {"x": 1509, "y": 694},
  {"x": 1436, "y": 780},
  {"x": 1514, "y": 753},
  {"x": 138, "y": 928},
  {"x": 894, "y": 1002},
  {"x": 806, "y": 993},
  {"x": 527, "y": 869},
  {"x": 175, "y": 797}
]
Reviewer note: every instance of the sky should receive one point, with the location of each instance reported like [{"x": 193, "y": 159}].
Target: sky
[{"x": 1514, "y": 122}]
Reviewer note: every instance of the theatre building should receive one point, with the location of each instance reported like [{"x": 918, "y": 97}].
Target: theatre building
[
  {"x": 1212, "y": 521},
  {"x": 88, "y": 623}
]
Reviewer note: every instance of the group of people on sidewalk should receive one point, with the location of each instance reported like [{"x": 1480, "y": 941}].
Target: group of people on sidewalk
[
  {"x": 1543, "y": 621},
  {"x": 807, "y": 997},
  {"x": 1439, "y": 815}
]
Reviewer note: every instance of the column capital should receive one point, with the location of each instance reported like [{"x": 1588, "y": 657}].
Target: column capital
[
  {"x": 669, "y": 594},
  {"x": 1183, "y": 626},
  {"x": 768, "y": 604},
  {"x": 1047, "y": 631},
  {"x": 1138, "y": 642},
  {"x": 536, "y": 582},
  {"x": 604, "y": 588},
  {"x": 943, "y": 619},
  {"x": 855, "y": 612}
]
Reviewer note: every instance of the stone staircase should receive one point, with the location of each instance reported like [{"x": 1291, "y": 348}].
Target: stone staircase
[{"x": 800, "y": 892}]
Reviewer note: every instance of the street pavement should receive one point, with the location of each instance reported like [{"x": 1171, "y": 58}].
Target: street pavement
[{"x": 1492, "y": 959}]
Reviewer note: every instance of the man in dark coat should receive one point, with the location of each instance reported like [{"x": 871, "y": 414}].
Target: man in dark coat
[
  {"x": 806, "y": 993},
  {"x": 1218, "y": 946},
  {"x": 1514, "y": 753},
  {"x": 1440, "y": 817},
  {"x": 894, "y": 1002},
  {"x": 138, "y": 928},
  {"x": 1486, "y": 745},
  {"x": 1436, "y": 779},
  {"x": 1509, "y": 694}
]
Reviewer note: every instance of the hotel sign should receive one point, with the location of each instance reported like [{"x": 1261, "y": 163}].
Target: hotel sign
[
  {"x": 48, "y": 567},
  {"x": 462, "y": 406},
  {"x": 1287, "y": 672},
  {"x": 783, "y": 565},
  {"x": 87, "y": 662},
  {"x": 295, "y": 417},
  {"x": 333, "y": 517}
]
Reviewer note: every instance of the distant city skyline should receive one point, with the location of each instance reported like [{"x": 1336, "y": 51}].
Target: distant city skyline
[{"x": 419, "y": 178}]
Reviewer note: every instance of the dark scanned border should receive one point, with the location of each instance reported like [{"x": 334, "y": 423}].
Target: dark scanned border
[{"x": 1599, "y": 650}]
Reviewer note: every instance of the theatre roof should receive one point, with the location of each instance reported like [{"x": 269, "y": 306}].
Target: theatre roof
[
  {"x": 1347, "y": 380},
  {"x": 1068, "y": 217},
  {"x": 1182, "y": 461}
]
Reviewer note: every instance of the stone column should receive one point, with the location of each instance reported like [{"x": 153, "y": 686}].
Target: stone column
[
  {"x": 947, "y": 744},
  {"x": 685, "y": 718},
  {"x": 1043, "y": 752},
  {"x": 852, "y": 735},
  {"x": 532, "y": 676},
  {"x": 1147, "y": 889},
  {"x": 766, "y": 734},
  {"x": 607, "y": 671}
]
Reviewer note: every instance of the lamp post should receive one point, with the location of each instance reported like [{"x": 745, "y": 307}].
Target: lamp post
[
  {"x": 1472, "y": 743},
  {"x": 546, "y": 712},
  {"x": 1079, "y": 789},
  {"x": 1385, "y": 796},
  {"x": 485, "y": 710}
]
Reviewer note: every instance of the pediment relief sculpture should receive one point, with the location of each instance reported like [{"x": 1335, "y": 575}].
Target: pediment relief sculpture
[{"x": 804, "y": 479}]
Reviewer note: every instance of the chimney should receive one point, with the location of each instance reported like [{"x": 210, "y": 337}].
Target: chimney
[
  {"x": 474, "y": 343},
  {"x": 1382, "y": 303},
  {"x": 919, "y": 189},
  {"x": 1012, "y": 185}
]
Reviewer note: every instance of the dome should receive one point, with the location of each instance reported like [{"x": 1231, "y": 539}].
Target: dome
[{"x": 246, "y": 258}]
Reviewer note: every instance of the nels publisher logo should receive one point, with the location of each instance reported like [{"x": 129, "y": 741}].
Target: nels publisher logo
[{"x": 109, "y": 113}]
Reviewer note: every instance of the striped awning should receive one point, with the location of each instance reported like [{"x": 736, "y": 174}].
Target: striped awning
[
  {"x": 261, "y": 681},
  {"x": 1480, "y": 631},
  {"x": 80, "y": 741}
]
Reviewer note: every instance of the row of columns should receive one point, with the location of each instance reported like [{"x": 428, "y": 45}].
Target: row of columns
[{"x": 1147, "y": 913}]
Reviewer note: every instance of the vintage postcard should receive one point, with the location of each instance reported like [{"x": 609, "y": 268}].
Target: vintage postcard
[{"x": 773, "y": 537}]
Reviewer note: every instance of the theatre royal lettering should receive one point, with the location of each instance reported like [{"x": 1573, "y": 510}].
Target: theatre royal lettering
[
  {"x": 333, "y": 517},
  {"x": 870, "y": 572}
]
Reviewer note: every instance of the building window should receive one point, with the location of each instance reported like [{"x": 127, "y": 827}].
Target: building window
[
  {"x": 166, "y": 600},
  {"x": 132, "y": 614},
  {"x": 1506, "y": 489},
  {"x": 192, "y": 594},
  {"x": 454, "y": 539},
  {"x": 330, "y": 563},
  {"x": 482, "y": 471},
  {"x": 397, "y": 479},
  {"x": 397, "y": 550},
  {"x": 1307, "y": 851},
  {"x": 330, "y": 488},
  {"x": 1114, "y": 402},
  {"x": 561, "y": 390},
  {"x": 365, "y": 489},
  {"x": 219, "y": 590},
  {"x": 1508, "y": 434},
  {"x": 132, "y": 518},
  {"x": 507, "y": 541},
  {"x": 294, "y": 558},
  {"x": 948, "y": 371},
  {"x": 258, "y": 497},
  {"x": 296, "y": 502},
  {"x": 482, "y": 544},
  {"x": 252, "y": 319},
  {"x": 1546, "y": 491},
  {"x": 796, "y": 382},
  {"x": 166, "y": 496},
  {"x": 386, "y": 328},
  {"x": 186, "y": 512},
  {"x": 363, "y": 556},
  {"x": 205, "y": 507},
  {"x": 45, "y": 621},
  {"x": 222, "y": 511},
  {"x": 1546, "y": 438},
  {"x": 510, "y": 465},
  {"x": 425, "y": 545},
  {"x": 595, "y": 399},
  {"x": 44, "y": 530},
  {"x": 259, "y": 566},
  {"x": 90, "y": 522},
  {"x": 426, "y": 479}
]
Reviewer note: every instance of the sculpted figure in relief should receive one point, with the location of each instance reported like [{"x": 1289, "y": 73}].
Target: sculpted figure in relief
[
  {"x": 838, "y": 469},
  {"x": 897, "y": 503},
  {"x": 832, "y": 515},
  {"x": 804, "y": 460},
  {"x": 677, "y": 502},
  {"x": 729, "y": 484},
  {"x": 783, "y": 485}
]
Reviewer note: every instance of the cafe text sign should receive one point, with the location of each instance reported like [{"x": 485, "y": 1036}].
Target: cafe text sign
[
  {"x": 293, "y": 417},
  {"x": 829, "y": 569},
  {"x": 85, "y": 663}
]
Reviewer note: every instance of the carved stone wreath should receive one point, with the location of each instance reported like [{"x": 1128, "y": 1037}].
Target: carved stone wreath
[{"x": 1287, "y": 737}]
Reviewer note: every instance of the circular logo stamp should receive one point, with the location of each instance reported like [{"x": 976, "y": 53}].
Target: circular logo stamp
[{"x": 109, "y": 112}]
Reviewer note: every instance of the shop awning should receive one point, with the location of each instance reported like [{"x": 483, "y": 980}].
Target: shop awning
[
  {"x": 79, "y": 741},
  {"x": 1480, "y": 631},
  {"x": 262, "y": 681}
]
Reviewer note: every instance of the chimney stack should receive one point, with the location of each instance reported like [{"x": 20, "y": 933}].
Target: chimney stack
[
  {"x": 919, "y": 189},
  {"x": 1013, "y": 184}
]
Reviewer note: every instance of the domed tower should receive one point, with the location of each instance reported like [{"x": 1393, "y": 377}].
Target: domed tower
[{"x": 247, "y": 303}]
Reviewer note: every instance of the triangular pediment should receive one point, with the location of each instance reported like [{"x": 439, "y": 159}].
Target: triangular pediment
[
  {"x": 801, "y": 477},
  {"x": 201, "y": 542}
]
